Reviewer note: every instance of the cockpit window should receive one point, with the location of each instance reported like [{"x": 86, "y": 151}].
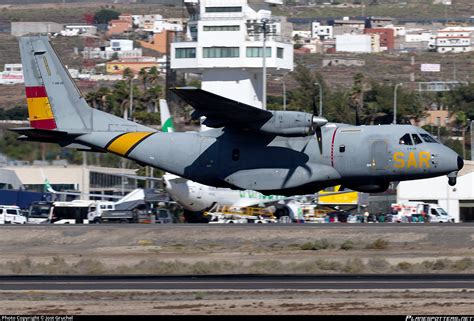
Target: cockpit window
[
  {"x": 406, "y": 140},
  {"x": 416, "y": 139},
  {"x": 427, "y": 138}
]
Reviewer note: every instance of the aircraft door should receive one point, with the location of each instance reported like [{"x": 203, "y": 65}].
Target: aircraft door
[
  {"x": 208, "y": 158},
  {"x": 379, "y": 156}
]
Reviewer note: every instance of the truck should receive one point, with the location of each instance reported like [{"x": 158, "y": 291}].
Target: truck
[
  {"x": 420, "y": 212},
  {"x": 11, "y": 215},
  {"x": 137, "y": 215}
]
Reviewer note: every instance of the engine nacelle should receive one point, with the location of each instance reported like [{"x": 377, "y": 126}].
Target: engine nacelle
[
  {"x": 372, "y": 187},
  {"x": 292, "y": 123}
]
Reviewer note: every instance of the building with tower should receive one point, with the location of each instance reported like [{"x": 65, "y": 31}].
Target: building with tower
[{"x": 224, "y": 42}]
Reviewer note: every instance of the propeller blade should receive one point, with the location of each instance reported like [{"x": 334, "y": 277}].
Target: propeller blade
[{"x": 319, "y": 137}]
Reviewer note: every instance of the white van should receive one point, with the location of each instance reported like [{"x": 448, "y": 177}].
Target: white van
[
  {"x": 414, "y": 210},
  {"x": 11, "y": 215}
]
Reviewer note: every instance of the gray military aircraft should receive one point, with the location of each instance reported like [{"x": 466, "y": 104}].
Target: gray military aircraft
[{"x": 273, "y": 152}]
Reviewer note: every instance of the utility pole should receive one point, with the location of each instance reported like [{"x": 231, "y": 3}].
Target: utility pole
[
  {"x": 284, "y": 94},
  {"x": 131, "y": 98},
  {"x": 284, "y": 91},
  {"x": 395, "y": 103},
  {"x": 472, "y": 139}
]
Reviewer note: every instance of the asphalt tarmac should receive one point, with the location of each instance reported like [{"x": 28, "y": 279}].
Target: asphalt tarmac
[{"x": 238, "y": 282}]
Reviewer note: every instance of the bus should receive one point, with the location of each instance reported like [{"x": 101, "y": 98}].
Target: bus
[
  {"x": 74, "y": 212},
  {"x": 38, "y": 212}
]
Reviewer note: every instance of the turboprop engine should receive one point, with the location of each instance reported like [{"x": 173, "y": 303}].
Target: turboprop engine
[{"x": 292, "y": 123}]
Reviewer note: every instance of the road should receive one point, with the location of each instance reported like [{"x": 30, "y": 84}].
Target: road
[{"x": 238, "y": 282}]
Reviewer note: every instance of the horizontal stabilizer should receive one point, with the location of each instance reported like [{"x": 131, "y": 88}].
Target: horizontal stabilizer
[{"x": 44, "y": 133}]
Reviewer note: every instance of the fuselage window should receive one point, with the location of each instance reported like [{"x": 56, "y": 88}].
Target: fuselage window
[
  {"x": 406, "y": 140},
  {"x": 235, "y": 154},
  {"x": 342, "y": 148},
  {"x": 416, "y": 139}
]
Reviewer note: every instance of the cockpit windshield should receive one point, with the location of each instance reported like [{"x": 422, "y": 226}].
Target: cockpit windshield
[
  {"x": 416, "y": 139},
  {"x": 405, "y": 140},
  {"x": 427, "y": 138}
]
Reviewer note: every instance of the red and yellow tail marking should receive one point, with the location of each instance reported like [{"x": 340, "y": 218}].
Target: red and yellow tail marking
[
  {"x": 39, "y": 109},
  {"x": 125, "y": 143}
]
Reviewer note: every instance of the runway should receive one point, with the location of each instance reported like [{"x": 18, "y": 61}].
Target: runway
[
  {"x": 238, "y": 282},
  {"x": 276, "y": 227}
]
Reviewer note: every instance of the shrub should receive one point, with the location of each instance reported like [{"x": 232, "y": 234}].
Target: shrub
[
  {"x": 306, "y": 246},
  {"x": 316, "y": 245},
  {"x": 321, "y": 244},
  {"x": 145, "y": 242},
  {"x": 329, "y": 265},
  {"x": 347, "y": 245},
  {"x": 378, "y": 244},
  {"x": 440, "y": 265},
  {"x": 405, "y": 266},
  {"x": 354, "y": 266},
  {"x": 462, "y": 264},
  {"x": 378, "y": 264}
]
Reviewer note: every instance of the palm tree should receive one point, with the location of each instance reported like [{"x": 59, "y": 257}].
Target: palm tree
[
  {"x": 143, "y": 76},
  {"x": 153, "y": 76}
]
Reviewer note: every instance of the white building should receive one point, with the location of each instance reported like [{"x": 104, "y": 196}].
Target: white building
[
  {"x": 457, "y": 200},
  {"x": 354, "y": 43},
  {"x": 321, "y": 32},
  {"x": 451, "y": 40},
  {"x": 163, "y": 25},
  {"x": 156, "y": 23},
  {"x": 417, "y": 36},
  {"x": 76, "y": 30},
  {"x": 73, "y": 178},
  {"x": 13, "y": 74},
  {"x": 123, "y": 48},
  {"x": 224, "y": 44}
]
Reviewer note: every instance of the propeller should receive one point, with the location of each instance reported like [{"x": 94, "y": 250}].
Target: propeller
[{"x": 316, "y": 123}]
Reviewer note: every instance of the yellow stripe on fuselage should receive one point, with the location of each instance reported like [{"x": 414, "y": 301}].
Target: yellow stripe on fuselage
[
  {"x": 124, "y": 144},
  {"x": 39, "y": 108}
]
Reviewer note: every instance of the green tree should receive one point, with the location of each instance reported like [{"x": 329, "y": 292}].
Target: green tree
[
  {"x": 143, "y": 76},
  {"x": 103, "y": 16},
  {"x": 307, "y": 93},
  {"x": 15, "y": 113},
  {"x": 356, "y": 96}
]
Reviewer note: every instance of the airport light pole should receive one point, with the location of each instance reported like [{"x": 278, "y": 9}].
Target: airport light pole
[
  {"x": 395, "y": 102},
  {"x": 263, "y": 27},
  {"x": 264, "y": 54},
  {"x": 320, "y": 98}
]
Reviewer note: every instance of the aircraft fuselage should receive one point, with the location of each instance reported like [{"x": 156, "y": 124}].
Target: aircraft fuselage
[{"x": 364, "y": 158}]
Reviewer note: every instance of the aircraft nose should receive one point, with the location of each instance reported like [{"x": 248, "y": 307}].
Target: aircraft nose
[{"x": 460, "y": 163}]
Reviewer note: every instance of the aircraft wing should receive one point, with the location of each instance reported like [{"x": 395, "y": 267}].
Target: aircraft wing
[{"x": 220, "y": 111}]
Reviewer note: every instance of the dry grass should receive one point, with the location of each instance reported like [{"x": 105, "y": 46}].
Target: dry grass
[{"x": 58, "y": 266}]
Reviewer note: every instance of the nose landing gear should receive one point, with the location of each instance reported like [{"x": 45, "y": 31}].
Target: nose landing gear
[{"x": 452, "y": 178}]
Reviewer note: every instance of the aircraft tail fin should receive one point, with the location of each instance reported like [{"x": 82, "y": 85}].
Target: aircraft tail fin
[
  {"x": 48, "y": 187},
  {"x": 54, "y": 101},
  {"x": 166, "y": 119}
]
